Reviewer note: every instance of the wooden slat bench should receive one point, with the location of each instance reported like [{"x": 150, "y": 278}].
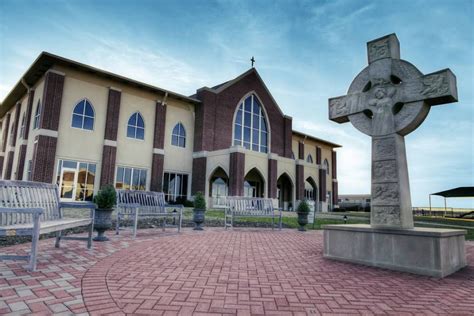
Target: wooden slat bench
[
  {"x": 133, "y": 204},
  {"x": 33, "y": 208},
  {"x": 250, "y": 207}
]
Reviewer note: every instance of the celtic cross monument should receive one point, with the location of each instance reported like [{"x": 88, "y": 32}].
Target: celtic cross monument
[{"x": 387, "y": 100}]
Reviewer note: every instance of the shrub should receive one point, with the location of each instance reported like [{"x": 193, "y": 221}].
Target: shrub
[
  {"x": 199, "y": 201},
  {"x": 303, "y": 207},
  {"x": 106, "y": 198}
]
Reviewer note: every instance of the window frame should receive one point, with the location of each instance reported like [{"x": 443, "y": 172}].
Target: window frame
[
  {"x": 326, "y": 164},
  {"x": 262, "y": 114},
  {"x": 178, "y": 135},
  {"x": 23, "y": 126},
  {"x": 133, "y": 170},
  {"x": 85, "y": 100},
  {"x": 136, "y": 127},
  {"x": 37, "y": 117}
]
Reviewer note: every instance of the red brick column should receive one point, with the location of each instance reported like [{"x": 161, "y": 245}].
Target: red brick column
[
  {"x": 8, "y": 172},
  {"x": 288, "y": 134},
  {"x": 109, "y": 152},
  {"x": 2, "y": 160},
  {"x": 322, "y": 185},
  {"x": 158, "y": 159},
  {"x": 236, "y": 174},
  {"x": 43, "y": 158},
  {"x": 318, "y": 155},
  {"x": 14, "y": 133},
  {"x": 44, "y": 153},
  {"x": 299, "y": 182},
  {"x": 23, "y": 147},
  {"x": 272, "y": 178},
  {"x": 6, "y": 130},
  {"x": 198, "y": 183}
]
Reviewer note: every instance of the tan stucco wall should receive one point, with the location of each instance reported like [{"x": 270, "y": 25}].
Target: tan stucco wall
[{"x": 178, "y": 159}]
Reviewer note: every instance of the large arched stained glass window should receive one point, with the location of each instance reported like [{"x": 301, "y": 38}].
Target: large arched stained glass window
[
  {"x": 250, "y": 125},
  {"x": 83, "y": 115},
  {"x": 136, "y": 126}
]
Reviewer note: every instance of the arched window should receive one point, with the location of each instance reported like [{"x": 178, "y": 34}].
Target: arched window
[
  {"x": 136, "y": 126},
  {"x": 309, "y": 159},
  {"x": 326, "y": 165},
  {"x": 250, "y": 125},
  {"x": 37, "y": 115},
  {"x": 178, "y": 138},
  {"x": 83, "y": 115}
]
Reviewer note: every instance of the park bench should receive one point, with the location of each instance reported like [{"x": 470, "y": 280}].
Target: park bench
[
  {"x": 250, "y": 207},
  {"x": 132, "y": 204},
  {"x": 33, "y": 208}
]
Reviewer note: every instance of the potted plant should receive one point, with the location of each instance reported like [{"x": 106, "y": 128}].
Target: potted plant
[
  {"x": 199, "y": 209},
  {"x": 105, "y": 200},
  {"x": 303, "y": 211}
]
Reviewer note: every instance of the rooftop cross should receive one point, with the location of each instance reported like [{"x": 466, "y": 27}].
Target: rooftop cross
[
  {"x": 387, "y": 100},
  {"x": 252, "y": 60}
]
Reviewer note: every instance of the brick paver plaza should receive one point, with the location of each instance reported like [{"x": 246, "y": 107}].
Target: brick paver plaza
[{"x": 223, "y": 272}]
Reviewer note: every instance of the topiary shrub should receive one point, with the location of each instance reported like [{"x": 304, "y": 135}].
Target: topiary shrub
[
  {"x": 303, "y": 208},
  {"x": 106, "y": 198},
  {"x": 199, "y": 201}
]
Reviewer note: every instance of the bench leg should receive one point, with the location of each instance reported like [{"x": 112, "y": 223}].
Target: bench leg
[
  {"x": 164, "y": 223},
  {"x": 34, "y": 243},
  {"x": 117, "y": 224},
  {"x": 273, "y": 222},
  {"x": 280, "y": 221},
  {"x": 135, "y": 224},
  {"x": 89, "y": 237},
  {"x": 180, "y": 221},
  {"x": 58, "y": 239}
]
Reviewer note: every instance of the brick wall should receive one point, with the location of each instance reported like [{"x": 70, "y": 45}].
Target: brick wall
[
  {"x": 272, "y": 178},
  {"x": 156, "y": 181},
  {"x": 299, "y": 182},
  {"x": 109, "y": 155},
  {"x": 43, "y": 158},
  {"x": 198, "y": 183},
  {"x": 214, "y": 117},
  {"x": 236, "y": 174}
]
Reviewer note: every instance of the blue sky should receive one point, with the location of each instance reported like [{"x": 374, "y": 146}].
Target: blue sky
[{"x": 306, "y": 52}]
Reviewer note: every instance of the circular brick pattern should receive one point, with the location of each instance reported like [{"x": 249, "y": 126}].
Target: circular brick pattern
[{"x": 260, "y": 271}]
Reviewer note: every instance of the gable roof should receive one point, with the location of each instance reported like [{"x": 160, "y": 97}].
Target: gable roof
[
  {"x": 47, "y": 60},
  {"x": 222, "y": 86}
]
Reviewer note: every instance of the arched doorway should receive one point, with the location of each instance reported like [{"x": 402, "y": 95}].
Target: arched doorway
[
  {"x": 218, "y": 188},
  {"x": 311, "y": 192},
  {"x": 254, "y": 184},
  {"x": 285, "y": 192}
]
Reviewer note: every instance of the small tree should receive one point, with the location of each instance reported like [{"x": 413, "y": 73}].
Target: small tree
[
  {"x": 199, "y": 201},
  {"x": 106, "y": 198},
  {"x": 303, "y": 208}
]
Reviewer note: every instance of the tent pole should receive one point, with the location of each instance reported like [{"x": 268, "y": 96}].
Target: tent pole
[
  {"x": 445, "y": 209},
  {"x": 430, "y": 204}
]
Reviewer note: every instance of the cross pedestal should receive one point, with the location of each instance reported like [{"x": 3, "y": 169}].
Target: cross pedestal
[{"x": 387, "y": 100}]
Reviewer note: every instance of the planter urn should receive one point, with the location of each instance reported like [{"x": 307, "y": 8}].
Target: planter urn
[
  {"x": 302, "y": 221},
  {"x": 198, "y": 218},
  {"x": 102, "y": 222}
]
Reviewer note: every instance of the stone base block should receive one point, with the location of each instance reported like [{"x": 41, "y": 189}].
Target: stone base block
[{"x": 427, "y": 251}]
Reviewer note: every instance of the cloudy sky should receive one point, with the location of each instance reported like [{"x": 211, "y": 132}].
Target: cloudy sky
[{"x": 306, "y": 52}]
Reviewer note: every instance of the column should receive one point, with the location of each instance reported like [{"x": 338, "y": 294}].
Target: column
[
  {"x": 24, "y": 143},
  {"x": 109, "y": 152},
  {"x": 300, "y": 172},
  {"x": 6, "y": 129},
  {"x": 198, "y": 183},
  {"x": 272, "y": 177},
  {"x": 156, "y": 183},
  {"x": 46, "y": 141},
  {"x": 236, "y": 174}
]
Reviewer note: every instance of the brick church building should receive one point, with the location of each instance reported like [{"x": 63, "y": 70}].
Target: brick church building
[{"x": 81, "y": 127}]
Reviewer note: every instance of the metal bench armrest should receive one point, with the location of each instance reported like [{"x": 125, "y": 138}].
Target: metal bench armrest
[{"x": 34, "y": 210}]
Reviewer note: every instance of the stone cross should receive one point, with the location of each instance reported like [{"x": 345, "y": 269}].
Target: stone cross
[
  {"x": 252, "y": 60},
  {"x": 387, "y": 100}
]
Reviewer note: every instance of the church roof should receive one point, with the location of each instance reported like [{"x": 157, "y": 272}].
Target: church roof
[
  {"x": 334, "y": 145},
  {"x": 47, "y": 60}
]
